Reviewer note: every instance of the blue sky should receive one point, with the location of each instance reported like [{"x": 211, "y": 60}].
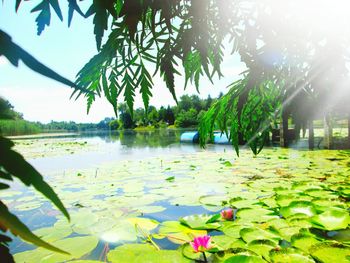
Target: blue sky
[{"x": 66, "y": 50}]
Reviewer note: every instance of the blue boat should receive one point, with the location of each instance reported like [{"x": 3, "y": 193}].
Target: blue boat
[
  {"x": 220, "y": 138},
  {"x": 191, "y": 137}
]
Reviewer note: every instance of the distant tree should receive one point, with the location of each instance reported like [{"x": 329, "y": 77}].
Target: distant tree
[
  {"x": 7, "y": 110},
  {"x": 114, "y": 125},
  {"x": 162, "y": 114},
  {"x": 187, "y": 119},
  {"x": 153, "y": 115},
  {"x": 196, "y": 103},
  {"x": 140, "y": 117},
  {"x": 104, "y": 124},
  {"x": 169, "y": 116},
  {"x": 125, "y": 116},
  {"x": 208, "y": 103}
]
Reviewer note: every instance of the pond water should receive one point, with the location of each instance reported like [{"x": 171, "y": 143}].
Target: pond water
[{"x": 122, "y": 187}]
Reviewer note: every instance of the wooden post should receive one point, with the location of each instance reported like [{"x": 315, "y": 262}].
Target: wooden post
[
  {"x": 311, "y": 135},
  {"x": 284, "y": 130},
  {"x": 328, "y": 132}
]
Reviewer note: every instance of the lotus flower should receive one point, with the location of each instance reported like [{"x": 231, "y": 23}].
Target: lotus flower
[
  {"x": 201, "y": 243},
  {"x": 227, "y": 214}
]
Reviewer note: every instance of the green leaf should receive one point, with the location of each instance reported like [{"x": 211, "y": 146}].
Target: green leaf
[
  {"x": 298, "y": 207},
  {"x": 11, "y": 222},
  {"x": 178, "y": 233},
  {"x": 329, "y": 252},
  {"x": 200, "y": 222},
  {"x": 303, "y": 241},
  {"x": 253, "y": 233},
  {"x": 333, "y": 219},
  {"x": 244, "y": 259},
  {"x": 44, "y": 17},
  {"x": 18, "y": 3},
  {"x": 189, "y": 253},
  {"x": 290, "y": 255},
  {"x": 77, "y": 247},
  {"x": 135, "y": 253},
  {"x": 73, "y": 6},
  {"x": 15, "y": 164}
]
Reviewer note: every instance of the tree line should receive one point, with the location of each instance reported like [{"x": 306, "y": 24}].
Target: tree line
[{"x": 187, "y": 113}]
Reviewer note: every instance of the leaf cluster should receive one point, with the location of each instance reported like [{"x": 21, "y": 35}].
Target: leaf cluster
[{"x": 13, "y": 165}]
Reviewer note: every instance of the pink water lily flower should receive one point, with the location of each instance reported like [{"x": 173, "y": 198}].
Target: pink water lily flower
[
  {"x": 201, "y": 243},
  {"x": 227, "y": 214}
]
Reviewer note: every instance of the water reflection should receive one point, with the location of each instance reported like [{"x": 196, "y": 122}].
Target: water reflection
[{"x": 117, "y": 146}]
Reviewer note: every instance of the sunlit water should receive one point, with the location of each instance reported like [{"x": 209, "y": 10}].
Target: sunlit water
[
  {"x": 107, "y": 148},
  {"x": 150, "y": 175}
]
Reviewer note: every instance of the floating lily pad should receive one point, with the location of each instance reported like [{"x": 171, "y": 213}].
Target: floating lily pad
[
  {"x": 189, "y": 253},
  {"x": 212, "y": 200},
  {"x": 303, "y": 241},
  {"x": 244, "y": 259},
  {"x": 243, "y": 203},
  {"x": 145, "y": 253},
  {"x": 178, "y": 233},
  {"x": 127, "y": 253},
  {"x": 222, "y": 242},
  {"x": 290, "y": 255},
  {"x": 76, "y": 246},
  {"x": 201, "y": 222},
  {"x": 123, "y": 231},
  {"x": 329, "y": 252},
  {"x": 331, "y": 220},
  {"x": 262, "y": 248},
  {"x": 232, "y": 230},
  {"x": 255, "y": 215},
  {"x": 150, "y": 209},
  {"x": 50, "y": 234},
  {"x": 253, "y": 233},
  {"x": 298, "y": 207},
  {"x": 286, "y": 200}
]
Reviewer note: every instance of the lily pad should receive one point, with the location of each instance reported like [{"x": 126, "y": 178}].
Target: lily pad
[
  {"x": 50, "y": 234},
  {"x": 144, "y": 223},
  {"x": 126, "y": 253},
  {"x": 76, "y": 246},
  {"x": 290, "y": 255},
  {"x": 201, "y": 222},
  {"x": 232, "y": 230},
  {"x": 253, "y": 233},
  {"x": 303, "y": 241},
  {"x": 178, "y": 233},
  {"x": 255, "y": 215},
  {"x": 329, "y": 252},
  {"x": 212, "y": 200},
  {"x": 333, "y": 219},
  {"x": 244, "y": 259},
  {"x": 262, "y": 248},
  {"x": 136, "y": 253},
  {"x": 298, "y": 207},
  {"x": 189, "y": 253}
]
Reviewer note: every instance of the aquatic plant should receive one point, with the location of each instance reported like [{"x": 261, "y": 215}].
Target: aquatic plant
[
  {"x": 227, "y": 214},
  {"x": 201, "y": 243}
]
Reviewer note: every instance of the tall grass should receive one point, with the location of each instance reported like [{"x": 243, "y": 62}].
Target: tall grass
[{"x": 18, "y": 127}]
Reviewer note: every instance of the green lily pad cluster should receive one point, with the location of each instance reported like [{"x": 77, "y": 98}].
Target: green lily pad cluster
[{"x": 290, "y": 209}]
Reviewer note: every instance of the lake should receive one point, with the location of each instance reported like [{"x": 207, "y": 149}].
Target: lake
[{"x": 121, "y": 188}]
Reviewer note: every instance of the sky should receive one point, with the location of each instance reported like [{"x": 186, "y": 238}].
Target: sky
[{"x": 66, "y": 50}]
